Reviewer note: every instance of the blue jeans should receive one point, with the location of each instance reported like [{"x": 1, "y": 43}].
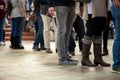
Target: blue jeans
[
  {"x": 2, "y": 21},
  {"x": 116, "y": 44},
  {"x": 39, "y": 34},
  {"x": 17, "y": 25},
  {"x": 65, "y": 16}
]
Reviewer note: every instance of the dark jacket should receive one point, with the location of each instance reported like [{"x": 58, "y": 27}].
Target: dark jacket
[
  {"x": 36, "y": 6},
  {"x": 53, "y": 3},
  {"x": 2, "y": 11},
  {"x": 40, "y": 7}
]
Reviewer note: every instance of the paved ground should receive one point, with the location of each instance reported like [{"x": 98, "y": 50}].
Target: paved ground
[{"x": 33, "y": 65}]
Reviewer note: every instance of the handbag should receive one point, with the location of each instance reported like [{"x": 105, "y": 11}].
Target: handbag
[{"x": 84, "y": 1}]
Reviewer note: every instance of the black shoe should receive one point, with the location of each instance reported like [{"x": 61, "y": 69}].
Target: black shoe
[
  {"x": 17, "y": 47},
  {"x": 87, "y": 63},
  {"x": 42, "y": 48},
  {"x": 101, "y": 63},
  {"x": 10, "y": 46},
  {"x": 105, "y": 52},
  {"x": 48, "y": 50},
  {"x": 68, "y": 62},
  {"x": 36, "y": 48}
]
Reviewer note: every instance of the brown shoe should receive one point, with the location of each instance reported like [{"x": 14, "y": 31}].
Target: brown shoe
[{"x": 48, "y": 50}]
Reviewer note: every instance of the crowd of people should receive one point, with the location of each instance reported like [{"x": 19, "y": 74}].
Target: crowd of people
[{"x": 90, "y": 19}]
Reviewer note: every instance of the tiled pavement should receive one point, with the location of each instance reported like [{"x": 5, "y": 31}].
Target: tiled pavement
[{"x": 28, "y": 64}]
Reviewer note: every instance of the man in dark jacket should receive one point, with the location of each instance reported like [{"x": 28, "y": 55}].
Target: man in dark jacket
[{"x": 65, "y": 13}]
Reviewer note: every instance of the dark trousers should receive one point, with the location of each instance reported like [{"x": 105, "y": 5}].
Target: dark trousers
[
  {"x": 80, "y": 30},
  {"x": 106, "y": 30}
]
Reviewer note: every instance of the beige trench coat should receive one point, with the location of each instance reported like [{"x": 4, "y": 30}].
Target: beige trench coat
[{"x": 99, "y": 9}]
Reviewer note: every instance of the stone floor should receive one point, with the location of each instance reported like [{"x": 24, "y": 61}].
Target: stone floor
[{"x": 28, "y": 64}]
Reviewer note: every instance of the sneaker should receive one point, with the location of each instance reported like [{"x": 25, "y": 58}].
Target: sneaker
[
  {"x": 116, "y": 71},
  {"x": 68, "y": 62},
  {"x": 48, "y": 50},
  {"x": 36, "y": 48},
  {"x": 2, "y": 43}
]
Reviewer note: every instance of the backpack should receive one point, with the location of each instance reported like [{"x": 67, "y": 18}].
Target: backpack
[{"x": 43, "y": 1}]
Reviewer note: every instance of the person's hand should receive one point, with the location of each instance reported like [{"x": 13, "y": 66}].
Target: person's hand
[{"x": 116, "y": 3}]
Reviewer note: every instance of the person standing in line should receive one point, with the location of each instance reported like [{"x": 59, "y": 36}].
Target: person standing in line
[
  {"x": 65, "y": 13},
  {"x": 2, "y": 21},
  {"x": 39, "y": 35},
  {"x": 95, "y": 12},
  {"x": 115, "y": 9},
  {"x": 17, "y": 23},
  {"x": 47, "y": 16}
]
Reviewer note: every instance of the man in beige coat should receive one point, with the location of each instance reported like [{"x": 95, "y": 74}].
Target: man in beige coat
[{"x": 95, "y": 13}]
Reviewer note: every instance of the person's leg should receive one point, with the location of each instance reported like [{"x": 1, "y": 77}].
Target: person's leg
[
  {"x": 100, "y": 23},
  {"x": 47, "y": 20},
  {"x": 63, "y": 33},
  {"x": 80, "y": 30},
  {"x": 105, "y": 34},
  {"x": 20, "y": 30},
  {"x": 17, "y": 22},
  {"x": 39, "y": 35},
  {"x": 116, "y": 44},
  {"x": 2, "y": 21},
  {"x": 87, "y": 41},
  {"x": 71, "y": 45}
]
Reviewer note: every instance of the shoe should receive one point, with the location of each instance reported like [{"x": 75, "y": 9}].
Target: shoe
[
  {"x": 102, "y": 63},
  {"x": 68, "y": 62},
  {"x": 42, "y": 48},
  {"x": 56, "y": 50},
  {"x": 10, "y": 46},
  {"x": 17, "y": 47},
  {"x": 116, "y": 71},
  {"x": 36, "y": 48},
  {"x": 2, "y": 43},
  {"x": 87, "y": 63},
  {"x": 105, "y": 52},
  {"x": 48, "y": 50}
]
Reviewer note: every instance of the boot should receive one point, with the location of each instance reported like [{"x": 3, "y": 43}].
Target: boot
[
  {"x": 98, "y": 56},
  {"x": 11, "y": 40},
  {"x": 16, "y": 43},
  {"x": 85, "y": 56}
]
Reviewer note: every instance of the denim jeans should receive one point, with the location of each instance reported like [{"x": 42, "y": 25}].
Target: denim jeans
[
  {"x": 39, "y": 34},
  {"x": 65, "y": 16},
  {"x": 17, "y": 25},
  {"x": 116, "y": 44},
  {"x": 2, "y": 21}
]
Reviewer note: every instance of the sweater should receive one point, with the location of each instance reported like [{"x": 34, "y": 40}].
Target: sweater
[{"x": 2, "y": 10}]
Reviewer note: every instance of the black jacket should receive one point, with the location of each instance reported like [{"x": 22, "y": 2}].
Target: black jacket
[
  {"x": 37, "y": 5},
  {"x": 52, "y": 3}
]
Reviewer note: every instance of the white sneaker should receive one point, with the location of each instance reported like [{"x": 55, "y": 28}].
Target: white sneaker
[{"x": 2, "y": 43}]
